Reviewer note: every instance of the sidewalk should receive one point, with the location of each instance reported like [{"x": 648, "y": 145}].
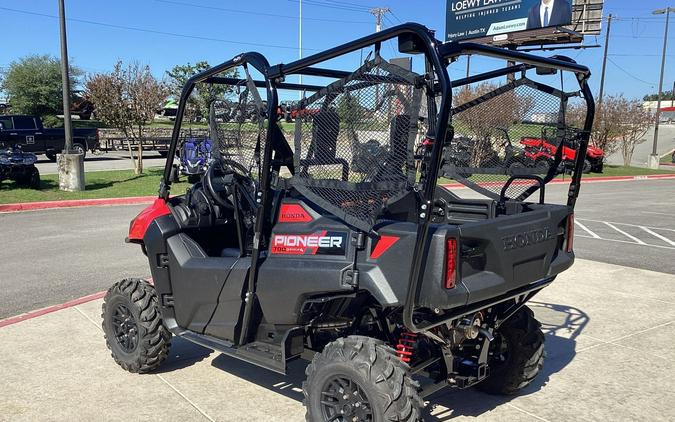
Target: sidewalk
[{"x": 610, "y": 349}]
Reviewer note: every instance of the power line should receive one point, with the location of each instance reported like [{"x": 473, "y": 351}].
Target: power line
[
  {"x": 652, "y": 84},
  {"x": 346, "y": 3},
  {"x": 152, "y": 31},
  {"x": 248, "y": 12},
  {"x": 640, "y": 55},
  {"x": 394, "y": 15},
  {"x": 332, "y": 5}
]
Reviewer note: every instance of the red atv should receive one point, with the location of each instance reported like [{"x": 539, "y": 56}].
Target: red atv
[{"x": 544, "y": 149}]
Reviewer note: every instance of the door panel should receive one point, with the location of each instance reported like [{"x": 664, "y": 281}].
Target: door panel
[{"x": 197, "y": 281}]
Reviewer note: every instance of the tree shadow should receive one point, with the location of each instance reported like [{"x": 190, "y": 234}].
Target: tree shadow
[{"x": 561, "y": 324}]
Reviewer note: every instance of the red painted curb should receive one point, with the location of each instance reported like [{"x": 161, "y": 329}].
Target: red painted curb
[
  {"x": 32, "y": 206},
  {"x": 599, "y": 179},
  {"x": 50, "y": 309}
]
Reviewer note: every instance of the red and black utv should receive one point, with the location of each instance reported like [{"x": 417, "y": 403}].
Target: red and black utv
[
  {"x": 337, "y": 244},
  {"x": 544, "y": 149}
]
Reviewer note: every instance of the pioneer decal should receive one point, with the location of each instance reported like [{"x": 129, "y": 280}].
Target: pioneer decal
[
  {"x": 528, "y": 238},
  {"x": 321, "y": 243},
  {"x": 294, "y": 213}
]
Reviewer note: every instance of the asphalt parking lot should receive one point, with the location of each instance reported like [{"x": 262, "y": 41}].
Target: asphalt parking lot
[
  {"x": 614, "y": 212},
  {"x": 115, "y": 160}
]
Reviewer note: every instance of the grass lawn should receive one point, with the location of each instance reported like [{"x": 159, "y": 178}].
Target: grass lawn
[
  {"x": 608, "y": 171},
  {"x": 99, "y": 184},
  {"x": 124, "y": 183},
  {"x": 626, "y": 171}
]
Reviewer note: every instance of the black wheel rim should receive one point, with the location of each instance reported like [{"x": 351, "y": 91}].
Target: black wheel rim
[
  {"x": 126, "y": 330},
  {"x": 342, "y": 399}
]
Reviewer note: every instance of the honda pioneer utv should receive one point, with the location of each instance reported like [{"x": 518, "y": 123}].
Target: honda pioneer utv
[{"x": 338, "y": 243}]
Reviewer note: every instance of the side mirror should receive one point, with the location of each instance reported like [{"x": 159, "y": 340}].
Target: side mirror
[{"x": 2, "y": 126}]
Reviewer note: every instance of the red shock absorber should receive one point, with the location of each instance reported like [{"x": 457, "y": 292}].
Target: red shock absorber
[{"x": 406, "y": 346}]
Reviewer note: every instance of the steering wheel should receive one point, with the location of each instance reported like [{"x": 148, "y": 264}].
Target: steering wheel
[{"x": 217, "y": 175}]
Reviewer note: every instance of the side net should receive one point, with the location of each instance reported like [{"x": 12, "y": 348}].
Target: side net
[
  {"x": 522, "y": 130},
  {"x": 354, "y": 142}
]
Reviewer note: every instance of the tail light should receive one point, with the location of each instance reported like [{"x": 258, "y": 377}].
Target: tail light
[
  {"x": 570, "y": 233},
  {"x": 450, "y": 262}
]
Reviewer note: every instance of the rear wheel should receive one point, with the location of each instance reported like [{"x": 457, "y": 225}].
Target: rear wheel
[
  {"x": 516, "y": 355},
  {"x": 360, "y": 379},
  {"x": 132, "y": 326},
  {"x": 587, "y": 166},
  {"x": 34, "y": 178}
]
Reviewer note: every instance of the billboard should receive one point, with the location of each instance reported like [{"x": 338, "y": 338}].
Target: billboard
[{"x": 484, "y": 18}]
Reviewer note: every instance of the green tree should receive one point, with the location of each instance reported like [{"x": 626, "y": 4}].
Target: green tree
[
  {"x": 203, "y": 94},
  {"x": 666, "y": 96},
  {"x": 33, "y": 85},
  {"x": 349, "y": 109}
]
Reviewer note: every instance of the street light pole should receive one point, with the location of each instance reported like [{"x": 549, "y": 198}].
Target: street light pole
[
  {"x": 654, "y": 158},
  {"x": 302, "y": 93},
  {"x": 65, "y": 80}
]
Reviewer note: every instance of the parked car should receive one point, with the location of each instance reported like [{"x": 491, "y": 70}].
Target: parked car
[{"x": 29, "y": 133}]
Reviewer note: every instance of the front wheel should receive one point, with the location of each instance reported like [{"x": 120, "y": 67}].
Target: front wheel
[
  {"x": 132, "y": 326},
  {"x": 360, "y": 379},
  {"x": 516, "y": 355}
]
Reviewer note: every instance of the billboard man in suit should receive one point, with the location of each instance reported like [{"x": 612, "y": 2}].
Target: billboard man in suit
[{"x": 549, "y": 13}]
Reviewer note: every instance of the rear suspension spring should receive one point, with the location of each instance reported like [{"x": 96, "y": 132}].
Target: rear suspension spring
[{"x": 406, "y": 346}]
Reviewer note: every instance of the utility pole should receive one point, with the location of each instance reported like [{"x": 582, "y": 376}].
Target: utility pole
[
  {"x": 604, "y": 64},
  {"x": 65, "y": 80},
  {"x": 654, "y": 158},
  {"x": 379, "y": 12},
  {"x": 70, "y": 165}
]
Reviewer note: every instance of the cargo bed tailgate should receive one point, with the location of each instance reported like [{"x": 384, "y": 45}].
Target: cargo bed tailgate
[{"x": 510, "y": 251}]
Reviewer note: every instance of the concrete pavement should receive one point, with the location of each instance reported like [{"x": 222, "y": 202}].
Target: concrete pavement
[{"x": 609, "y": 345}]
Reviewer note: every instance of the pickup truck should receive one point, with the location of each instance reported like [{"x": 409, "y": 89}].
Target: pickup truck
[{"x": 32, "y": 136}]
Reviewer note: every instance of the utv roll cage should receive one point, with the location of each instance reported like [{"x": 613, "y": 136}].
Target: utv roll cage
[{"x": 412, "y": 39}]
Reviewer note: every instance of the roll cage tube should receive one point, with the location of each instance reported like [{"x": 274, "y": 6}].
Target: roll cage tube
[
  {"x": 449, "y": 51},
  {"x": 434, "y": 63},
  {"x": 257, "y": 60}
]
